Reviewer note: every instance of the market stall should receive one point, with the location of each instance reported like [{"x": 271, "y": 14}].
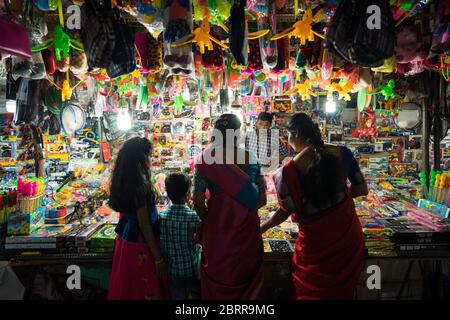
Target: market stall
[{"x": 166, "y": 70}]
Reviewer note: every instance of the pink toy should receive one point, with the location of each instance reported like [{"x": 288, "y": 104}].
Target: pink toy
[{"x": 409, "y": 46}]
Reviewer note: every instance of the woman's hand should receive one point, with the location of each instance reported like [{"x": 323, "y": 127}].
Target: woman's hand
[
  {"x": 161, "y": 268},
  {"x": 264, "y": 227}
]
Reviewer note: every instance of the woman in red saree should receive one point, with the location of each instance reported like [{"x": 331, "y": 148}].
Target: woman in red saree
[
  {"x": 230, "y": 235},
  {"x": 313, "y": 189}
]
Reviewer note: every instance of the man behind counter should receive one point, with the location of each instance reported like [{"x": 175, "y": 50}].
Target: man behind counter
[{"x": 265, "y": 143}]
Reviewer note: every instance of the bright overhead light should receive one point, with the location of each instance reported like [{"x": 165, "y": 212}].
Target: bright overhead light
[
  {"x": 123, "y": 120},
  {"x": 330, "y": 106},
  {"x": 11, "y": 106}
]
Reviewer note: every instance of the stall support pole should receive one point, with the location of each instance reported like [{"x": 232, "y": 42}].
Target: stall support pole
[
  {"x": 100, "y": 138},
  {"x": 437, "y": 126},
  {"x": 425, "y": 138}
]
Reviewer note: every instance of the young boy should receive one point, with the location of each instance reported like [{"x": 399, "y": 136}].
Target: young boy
[{"x": 178, "y": 224}]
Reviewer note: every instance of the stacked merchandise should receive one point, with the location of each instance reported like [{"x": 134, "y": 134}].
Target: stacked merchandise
[
  {"x": 70, "y": 238},
  {"x": 413, "y": 230},
  {"x": 29, "y": 214},
  {"x": 377, "y": 236},
  {"x": 44, "y": 240},
  {"x": 103, "y": 240},
  {"x": 413, "y": 238}
]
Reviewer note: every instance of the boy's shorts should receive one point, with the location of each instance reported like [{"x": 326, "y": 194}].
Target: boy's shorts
[{"x": 184, "y": 288}]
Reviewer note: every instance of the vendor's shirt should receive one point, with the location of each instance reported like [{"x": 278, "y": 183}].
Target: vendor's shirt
[
  {"x": 178, "y": 224},
  {"x": 267, "y": 147}
]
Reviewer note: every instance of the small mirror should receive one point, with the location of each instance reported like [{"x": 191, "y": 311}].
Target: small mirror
[{"x": 409, "y": 117}]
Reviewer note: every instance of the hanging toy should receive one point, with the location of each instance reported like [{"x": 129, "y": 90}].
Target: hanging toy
[
  {"x": 268, "y": 47},
  {"x": 212, "y": 59},
  {"x": 142, "y": 101},
  {"x": 367, "y": 128},
  {"x": 260, "y": 81},
  {"x": 327, "y": 66},
  {"x": 66, "y": 89},
  {"x": 283, "y": 56},
  {"x": 302, "y": 89},
  {"x": 200, "y": 36},
  {"x": 387, "y": 90},
  {"x": 301, "y": 29},
  {"x": 46, "y": 5},
  {"x": 343, "y": 90},
  {"x": 300, "y": 61},
  {"x": 239, "y": 34},
  {"x": 61, "y": 42},
  {"x": 178, "y": 103}
]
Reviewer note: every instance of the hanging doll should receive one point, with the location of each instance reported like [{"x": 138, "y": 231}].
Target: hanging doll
[
  {"x": 179, "y": 60},
  {"x": 409, "y": 51},
  {"x": 269, "y": 52},
  {"x": 441, "y": 34},
  {"x": 367, "y": 128}
]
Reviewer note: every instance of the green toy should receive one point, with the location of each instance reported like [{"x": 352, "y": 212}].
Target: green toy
[
  {"x": 61, "y": 44},
  {"x": 178, "y": 102},
  {"x": 387, "y": 90},
  {"x": 423, "y": 180},
  {"x": 432, "y": 181}
]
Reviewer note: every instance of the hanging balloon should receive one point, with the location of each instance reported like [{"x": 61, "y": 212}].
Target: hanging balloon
[
  {"x": 73, "y": 119},
  {"x": 362, "y": 98}
]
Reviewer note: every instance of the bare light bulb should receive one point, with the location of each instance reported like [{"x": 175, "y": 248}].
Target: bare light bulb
[
  {"x": 330, "y": 106},
  {"x": 123, "y": 120},
  {"x": 11, "y": 106}
]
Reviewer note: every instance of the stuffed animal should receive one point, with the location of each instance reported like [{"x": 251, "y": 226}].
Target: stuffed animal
[{"x": 409, "y": 46}]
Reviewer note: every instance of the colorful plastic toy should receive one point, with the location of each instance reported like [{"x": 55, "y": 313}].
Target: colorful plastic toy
[{"x": 301, "y": 29}]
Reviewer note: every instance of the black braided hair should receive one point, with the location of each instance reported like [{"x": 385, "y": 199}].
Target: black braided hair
[
  {"x": 131, "y": 176},
  {"x": 323, "y": 177},
  {"x": 226, "y": 121}
]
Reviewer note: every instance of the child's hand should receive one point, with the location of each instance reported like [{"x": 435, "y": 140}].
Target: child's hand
[{"x": 191, "y": 204}]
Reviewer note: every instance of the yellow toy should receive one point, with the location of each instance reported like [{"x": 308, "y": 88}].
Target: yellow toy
[
  {"x": 302, "y": 29},
  {"x": 342, "y": 90},
  {"x": 302, "y": 89},
  {"x": 66, "y": 89},
  {"x": 200, "y": 36}
]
